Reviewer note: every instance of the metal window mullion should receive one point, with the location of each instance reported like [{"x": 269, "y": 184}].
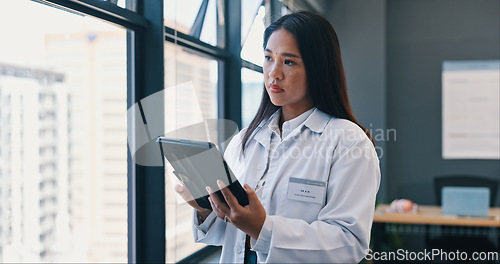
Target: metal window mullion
[
  {"x": 221, "y": 23},
  {"x": 273, "y": 11},
  {"x": 232, "y": 69},
  {"x": 199, "y": 20},
  {"x": 251, "y": 66},
  {"x": 194, "y": 44},
  {"x": 131, "y": 173},
  {"x": 149, "y": 219},
  {"x": 102, "y": 10}
]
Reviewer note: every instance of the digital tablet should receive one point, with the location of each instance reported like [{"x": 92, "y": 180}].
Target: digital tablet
[{"x": 199, "y": 164}]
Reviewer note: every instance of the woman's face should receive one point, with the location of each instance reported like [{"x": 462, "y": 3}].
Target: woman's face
[{"x": 284, "y": 72}]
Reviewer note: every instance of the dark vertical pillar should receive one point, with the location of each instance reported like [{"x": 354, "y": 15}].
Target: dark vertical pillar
[
  {"x": 232, "y": 68},
  {"x": 146, "y": 183},
  {"x": 131, "y": 212},
  {"x": 273, "y": 11}
]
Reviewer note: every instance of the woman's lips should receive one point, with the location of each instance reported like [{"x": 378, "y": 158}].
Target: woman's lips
[{"x": 275, "y": 88}]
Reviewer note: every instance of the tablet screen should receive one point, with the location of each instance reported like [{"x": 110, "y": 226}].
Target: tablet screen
[{"x": 199, "y": 164}]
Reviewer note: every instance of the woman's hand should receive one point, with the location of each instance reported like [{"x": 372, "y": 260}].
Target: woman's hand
[
  {"x": 249, "y": 219},
  {"x": 186, "y": 195}
]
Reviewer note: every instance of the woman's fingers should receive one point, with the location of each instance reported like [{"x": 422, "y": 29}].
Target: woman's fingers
[
  {"x": 214, "y": 208},
  {"x": 252, "y": 196},
  {"x": 228, "y": 196},
  {"x": 250, "y": 218},
  {"x": 186, "y": 196},
  {"x": 254, "y": 214},
  {"x": 217, "y": 204}
]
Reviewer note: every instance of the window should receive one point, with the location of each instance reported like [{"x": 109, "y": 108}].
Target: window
[
  {"x": 191, "y": 90},
  {"x": 252, "y": 50},
  {"x": 252, "y": 53},
  {"x": 249, "y": 11},
  {"x": 127, "y": 4},
  {"x": 47, "y": 57},
  {"x": 63, "y": 88},
  {"x": 251, "y": 94},
  {"x": 202, "y": 19}
]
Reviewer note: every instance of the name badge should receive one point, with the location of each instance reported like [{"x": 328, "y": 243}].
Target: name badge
[{"x": 306, "y": 190}]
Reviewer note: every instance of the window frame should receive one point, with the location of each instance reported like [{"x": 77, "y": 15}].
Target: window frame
[
  {"x": 146, "y": 37},
  {"x": 229, "y": 75},
  {"x": 102, "y": 10},
  {"x": 145, "y": 76}
]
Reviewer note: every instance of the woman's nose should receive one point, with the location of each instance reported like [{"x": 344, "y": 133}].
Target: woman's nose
[{"x": 276, "y": 72}]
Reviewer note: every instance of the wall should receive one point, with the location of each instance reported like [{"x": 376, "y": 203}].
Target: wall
[
  {"x": 362, "y": 43},
  {"x": 420, "y": 36},
  {"x": 392, "y": 52}
]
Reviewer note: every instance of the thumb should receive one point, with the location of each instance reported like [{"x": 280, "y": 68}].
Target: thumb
[{"x": 252, "y": 196}]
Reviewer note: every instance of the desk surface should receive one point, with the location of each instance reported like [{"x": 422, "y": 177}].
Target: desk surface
[{"x": 431, "y": 215}]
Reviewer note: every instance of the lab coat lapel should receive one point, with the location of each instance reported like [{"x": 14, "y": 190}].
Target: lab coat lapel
[
  {"x": 256, "y": 156},
  {"x": 263, "y": 134},
  {"x": 263, "y": 137},
  {"x": 316, "y": 123}
]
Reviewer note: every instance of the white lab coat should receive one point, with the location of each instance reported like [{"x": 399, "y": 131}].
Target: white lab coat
[{"x": 337, "y": 230}]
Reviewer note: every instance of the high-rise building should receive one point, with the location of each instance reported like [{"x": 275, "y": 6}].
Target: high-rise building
[
  {"x": 33, "y": 164},
  {"x": 95, "y": 65}
]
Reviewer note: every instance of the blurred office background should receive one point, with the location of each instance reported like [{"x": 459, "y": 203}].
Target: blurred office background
[{"x": 72, "y": 74}]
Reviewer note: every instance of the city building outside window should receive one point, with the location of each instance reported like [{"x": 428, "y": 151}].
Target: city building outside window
[{"x": 63, "y": 169}]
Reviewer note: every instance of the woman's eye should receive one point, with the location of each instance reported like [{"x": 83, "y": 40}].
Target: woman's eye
[
  {"x": 289, "y": 62},
  {"x": 267, "y": 58}
]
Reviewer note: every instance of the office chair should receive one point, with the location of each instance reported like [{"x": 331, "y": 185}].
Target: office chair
[{"x": 450, "y": 240}]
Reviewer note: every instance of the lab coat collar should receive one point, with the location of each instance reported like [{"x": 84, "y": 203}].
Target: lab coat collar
[
  {"x": 274, "y": 122},
  {"x": 264, "y": 133},
  {"x": 316, "y": 122}
]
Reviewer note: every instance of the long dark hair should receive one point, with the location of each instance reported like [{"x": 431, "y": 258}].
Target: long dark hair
[{"x": 326, "y": 82}]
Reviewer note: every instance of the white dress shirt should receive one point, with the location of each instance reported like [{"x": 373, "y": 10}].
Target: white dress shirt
[{"x": 319, "y": 193}]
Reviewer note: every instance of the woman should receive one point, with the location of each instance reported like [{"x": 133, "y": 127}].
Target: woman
[{"x": 314, "y": 170}]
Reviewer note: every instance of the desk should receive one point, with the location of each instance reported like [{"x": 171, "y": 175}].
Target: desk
[
  {"x": 430, "y": 229},
  {"x": 431, "y": 215}
]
